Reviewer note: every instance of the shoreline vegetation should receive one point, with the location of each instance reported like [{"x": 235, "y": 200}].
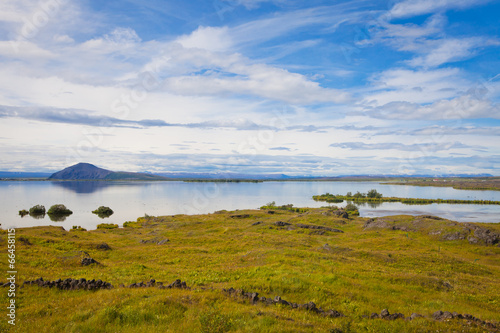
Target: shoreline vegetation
[
  {"x": 483, "y": 184},
  {"x": 460, "y": 183},
  {"x": 374, "y": 197},
  {"x": 277, "y": 269}
]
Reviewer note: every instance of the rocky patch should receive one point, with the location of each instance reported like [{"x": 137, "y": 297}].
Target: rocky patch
[
  {"x": 384, "y": 314},
  {"x": 88, "y": 261},
  {"x": 475, "y": 234},
  {"x": 70, "y": 284},
  {"x": 281, "y": 224},
  {"x": 156, "y": 241},
  {"x": 317, "y": 227},
  {"x": 446, "y": 315},
  {"x": 480, "y": 235},
  {"x": 103, "y": 247},
  {"x": 438, "y": 315},
  {"x": 240, "y": 216},
  {"x": 152, "y": 283},
  {"x": 254, "y": 298},
  {"x": 340, "y": 213}
]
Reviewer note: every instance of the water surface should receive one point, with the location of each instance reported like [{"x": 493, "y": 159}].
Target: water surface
[{"x": 130, "y": 200}]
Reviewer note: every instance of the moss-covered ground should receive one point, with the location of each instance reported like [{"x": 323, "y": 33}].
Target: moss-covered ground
[{"x": 356, "y": 272}]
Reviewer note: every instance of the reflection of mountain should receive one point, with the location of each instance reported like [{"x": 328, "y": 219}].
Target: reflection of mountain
[{"x": 84, "y": 186}]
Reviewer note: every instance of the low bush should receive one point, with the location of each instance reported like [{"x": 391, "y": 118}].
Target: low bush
[
  {"x": 59, "y": 210},
  {"x": 351, "y": 208},
  {"x": 103, "y": 212},
  {"x": 107, "y": 226},
  {"x": 37, "y": 210}
]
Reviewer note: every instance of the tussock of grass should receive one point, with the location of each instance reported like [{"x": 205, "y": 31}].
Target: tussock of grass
[{"x": 356, "y": 272}]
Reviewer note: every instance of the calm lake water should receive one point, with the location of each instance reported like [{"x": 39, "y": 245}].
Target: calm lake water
[{"x": 130, "y": 200}]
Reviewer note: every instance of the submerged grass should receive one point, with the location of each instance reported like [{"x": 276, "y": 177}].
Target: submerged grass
[{"x": 356, "y": 272}]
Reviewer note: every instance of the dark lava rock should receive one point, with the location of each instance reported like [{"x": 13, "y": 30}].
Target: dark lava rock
[
  {"x": 318, "y": 227},
  {"x": 440, "y": 315},
  {"x": 178, "y": 284},
  {"x": 482, "y": 235},
  {"x": 254, "y": 298},
  {"x": 240, "y": 216},
  {"x": 415, "y": 316},
  {"x": 71, "y": 284},
  {"x": 374, "y": 315},
  {"x": 88, "y": 261},
  {"x": 257, "y": 223},
  {"x": 376, "y": 224},
  {"x": 281, "y": 224},
  {"x": 103, "y": 246},
  {"x": 431, "y": 217},
  {"x": 340, "y": 213},
  {"x": 387, "y": 316},
  {"x": 333, "y": 314}
]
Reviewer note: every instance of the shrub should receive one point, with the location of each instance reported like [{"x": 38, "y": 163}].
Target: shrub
[
  {"x": 37, "y": 210},
  {"x": 373, "y": 194},
  {"x": 77, "y": 228},
  {"x": 59, "y": 210},
  {"x": 23, "y": 213},
  {"x": 351, "y": 208},
  {"x": 107, "y": 226},
  {"x": 103, "y": 212}
]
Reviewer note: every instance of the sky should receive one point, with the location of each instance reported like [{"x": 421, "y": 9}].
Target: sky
[{"x": 303, "y": 88}]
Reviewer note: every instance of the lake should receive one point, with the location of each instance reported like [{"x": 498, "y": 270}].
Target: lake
[{"x": 130, "y": 200}]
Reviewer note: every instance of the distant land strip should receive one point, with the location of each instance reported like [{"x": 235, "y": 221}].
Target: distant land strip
[
  {"x": 493, "y": 185},
  {"x": 407, "y": 201}
]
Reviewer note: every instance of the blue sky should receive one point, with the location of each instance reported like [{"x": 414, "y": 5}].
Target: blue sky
[{"x": 251, "y": 86}]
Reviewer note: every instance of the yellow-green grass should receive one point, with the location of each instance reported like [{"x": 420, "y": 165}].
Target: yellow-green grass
[{"x": 360, "y": 271}]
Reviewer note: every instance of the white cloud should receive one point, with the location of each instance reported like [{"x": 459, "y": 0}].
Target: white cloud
[
  {"x": 428, "y": 147},
  {"x": 208, "y": 38},
  {"x": 24, "y": 50},
  {"x": 463, "y": 107},
  {"x": 448, "y": 50},
  {"x": 415, "y": 86},
  {"x": 330, "y": 18},
  {"x": 257, "y": 80},
  {"x": 410, "y": 8}
]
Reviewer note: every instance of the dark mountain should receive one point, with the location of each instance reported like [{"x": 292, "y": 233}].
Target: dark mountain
[
  {"x": 81, "y": 171},
  {"x": 86, "y": 171}
]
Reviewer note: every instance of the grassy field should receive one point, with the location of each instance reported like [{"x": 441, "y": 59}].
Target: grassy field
[{"x": 357, "y": 272}]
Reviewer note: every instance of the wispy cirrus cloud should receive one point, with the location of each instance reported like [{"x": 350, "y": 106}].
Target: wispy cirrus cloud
[
  {"x": 410, "y": 8},
  {"x": 463, "y": 107},
  {"x": 428, "y": 147}
]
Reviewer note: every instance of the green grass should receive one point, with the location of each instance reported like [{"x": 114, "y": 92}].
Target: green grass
[
  {"x": 359, "y": 272},
  {"x": 407, "y": 201}
]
